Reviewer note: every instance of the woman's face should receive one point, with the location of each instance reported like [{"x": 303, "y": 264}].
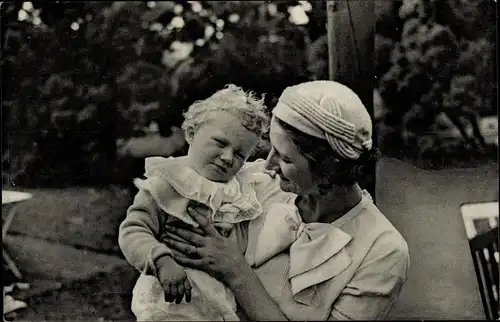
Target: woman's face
[{"x": 285, "y": 158}]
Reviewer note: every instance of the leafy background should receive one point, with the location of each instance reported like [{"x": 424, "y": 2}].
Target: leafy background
[{"x": 83, "y": 80}]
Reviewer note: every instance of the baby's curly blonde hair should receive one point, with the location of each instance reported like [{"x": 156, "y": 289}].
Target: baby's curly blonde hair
[{"x": 233, "y": 99}]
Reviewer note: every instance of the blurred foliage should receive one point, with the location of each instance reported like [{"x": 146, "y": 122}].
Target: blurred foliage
[
  {"x": 440, "y": 64},
  {"x": 79, "y": 76}
]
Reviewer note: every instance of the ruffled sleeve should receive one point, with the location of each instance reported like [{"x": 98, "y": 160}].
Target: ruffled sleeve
[{"x": 245, "y": 206}]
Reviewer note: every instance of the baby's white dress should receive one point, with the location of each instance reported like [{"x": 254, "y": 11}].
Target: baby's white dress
[{"x": 172, "y": 184}]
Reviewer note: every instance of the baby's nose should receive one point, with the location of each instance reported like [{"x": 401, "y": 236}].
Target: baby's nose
[{"x": 227, "y": 157}]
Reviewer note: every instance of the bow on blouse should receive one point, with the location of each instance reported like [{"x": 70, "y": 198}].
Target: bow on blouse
[{"x": 317, "y": 250}]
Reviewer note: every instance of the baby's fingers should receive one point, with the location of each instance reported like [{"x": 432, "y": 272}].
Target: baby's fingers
[
  {"x": 180, "y": 293},
  {"x": 187, "y": 290},
  {"x": 169, "y": 294},
  {"x": 173, "y": 292}
]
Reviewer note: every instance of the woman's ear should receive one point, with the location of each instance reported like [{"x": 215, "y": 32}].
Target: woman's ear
[
  {"x": 327, "y": 167},
  {"x": 189, "y": 135}
]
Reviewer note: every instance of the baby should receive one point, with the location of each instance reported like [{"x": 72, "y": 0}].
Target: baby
[{"x": 222, "y": 132}]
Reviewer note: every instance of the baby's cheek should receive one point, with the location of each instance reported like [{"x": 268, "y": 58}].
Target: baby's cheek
[
  {"x": 234, "y": 171},
  {"x": 238, "y": 164}
]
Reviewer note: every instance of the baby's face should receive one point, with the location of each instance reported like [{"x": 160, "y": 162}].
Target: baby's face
[{"x": 220, "y": 147}]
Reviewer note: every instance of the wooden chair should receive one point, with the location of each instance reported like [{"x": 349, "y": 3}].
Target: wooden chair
[
  {"x": 484, "y": 249},
  {"x": 12, "y": 199}
]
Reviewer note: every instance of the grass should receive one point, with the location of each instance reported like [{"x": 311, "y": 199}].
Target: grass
[
  {"x": 104, "y": 297},
  {"x": 84, "y": 218},
  {"x": 80, "y": 217}
]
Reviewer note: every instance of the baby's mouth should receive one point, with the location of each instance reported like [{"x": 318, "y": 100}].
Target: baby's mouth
[{"x": 221, "y": 168}]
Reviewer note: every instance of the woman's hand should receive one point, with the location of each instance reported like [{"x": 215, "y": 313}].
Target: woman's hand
[
  {"x": 207, "y": 251},
  {"x": 214, "y": 254}
]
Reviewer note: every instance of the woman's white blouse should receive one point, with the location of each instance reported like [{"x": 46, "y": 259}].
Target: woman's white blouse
[{"x": 360, "y": 281}]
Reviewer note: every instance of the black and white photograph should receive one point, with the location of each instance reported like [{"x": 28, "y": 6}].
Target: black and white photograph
[{"x": 249, "y": 160}]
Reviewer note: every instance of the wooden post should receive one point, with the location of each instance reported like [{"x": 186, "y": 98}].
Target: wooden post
[
  {"x": 354, "y": 37},
  {"x": 351, "y": 35},
  {"x": 332, "y": 61}
]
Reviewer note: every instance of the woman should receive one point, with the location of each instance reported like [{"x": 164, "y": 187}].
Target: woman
[{"x": 348, "y": 261}]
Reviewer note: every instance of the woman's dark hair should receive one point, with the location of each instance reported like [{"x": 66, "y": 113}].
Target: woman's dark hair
[{"x": 322, "y": 159}]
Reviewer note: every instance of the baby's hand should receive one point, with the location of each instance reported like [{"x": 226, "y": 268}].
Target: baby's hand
[{"x": 174, "y": 280}]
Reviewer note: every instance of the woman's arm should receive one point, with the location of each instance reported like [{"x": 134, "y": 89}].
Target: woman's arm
[
  {"x": 253, "y": 297},
  {"x": 215, "y": 255}
]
